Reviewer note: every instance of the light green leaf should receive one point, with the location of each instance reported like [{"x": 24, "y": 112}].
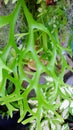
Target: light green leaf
[
  {"x": 11, "y": 109},
  {"x": 71, "y": 108},
  {"x": 3, "y": 66},
  {"x": 13, "y": 1},
  {"x": 28, "y": 120},
  {"x": 64, "y": 104},
  {"x": 65, "y": 113},
  {"x": 53, "y": 126},
  {"x": 63, "y": 90},
  {"x": 4, "y": 20},
  {"x": 6, "y": 1},
  {"x": 65, "y": 127},
  {"x": 39, "y": 1}
]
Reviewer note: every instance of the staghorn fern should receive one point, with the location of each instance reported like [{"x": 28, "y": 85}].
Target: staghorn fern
[{"x": 46, "y": 95}]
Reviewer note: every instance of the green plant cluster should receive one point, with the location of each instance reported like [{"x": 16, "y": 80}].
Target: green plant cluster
[{"x": 48, "y": 106}]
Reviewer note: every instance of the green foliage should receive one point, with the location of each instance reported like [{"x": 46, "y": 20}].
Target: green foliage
[
  {"x": 55, "y": 15},
  {"x": 6, "y": 1},
  {"x": 48, "y": 104}
]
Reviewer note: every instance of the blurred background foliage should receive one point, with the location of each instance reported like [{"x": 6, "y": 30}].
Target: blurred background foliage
[{"x": 55, "y": 16}]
